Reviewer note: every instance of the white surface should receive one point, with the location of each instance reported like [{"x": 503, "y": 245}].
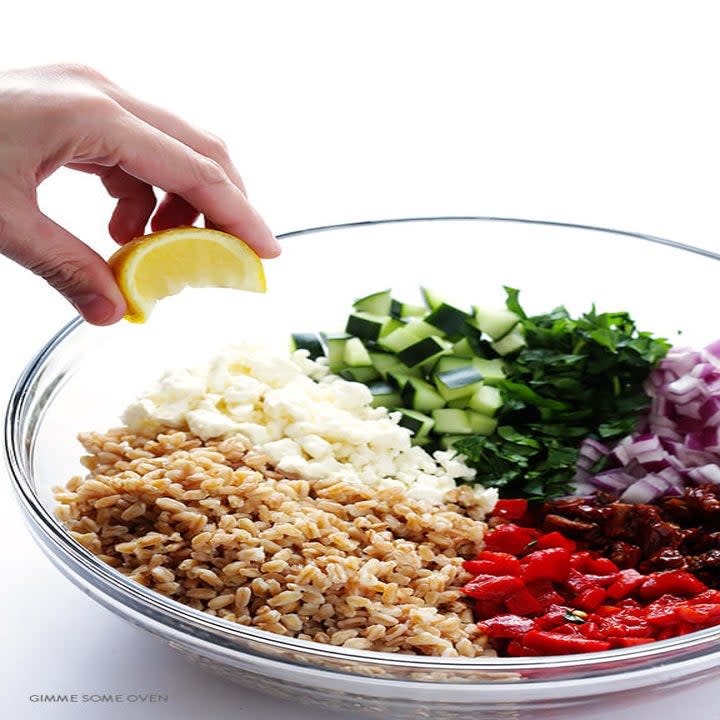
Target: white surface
[{"x": 598, "y": 113}]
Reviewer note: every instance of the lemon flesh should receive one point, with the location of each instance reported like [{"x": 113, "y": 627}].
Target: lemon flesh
[{"x": 155, "y": 266}]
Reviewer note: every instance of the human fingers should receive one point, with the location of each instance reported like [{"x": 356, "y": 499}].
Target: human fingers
[
  {"x": 71, "y": 267},
  {"x": 136, "y": 200},
  {"x": 199, "y": 140},
  {"x": 150, "y": 155},
  {"x": 173, "y": 211}
]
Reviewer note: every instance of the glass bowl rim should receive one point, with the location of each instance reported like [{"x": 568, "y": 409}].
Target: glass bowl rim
[{"x": 197, "y": 623}]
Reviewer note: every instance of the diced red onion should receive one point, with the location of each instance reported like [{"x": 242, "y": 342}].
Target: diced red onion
[
  {"x": 713, "y": 349},
  {"x": 679, "y": 440},
  {"x": 710, "y": 411},
  {"x": 613, "y": 480},
  {"x": 705, "y": 474},
  {"x": 641, "y": 491}
]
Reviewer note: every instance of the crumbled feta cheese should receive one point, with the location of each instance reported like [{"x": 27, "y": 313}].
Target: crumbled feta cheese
[{"x": 307, "y": 421}]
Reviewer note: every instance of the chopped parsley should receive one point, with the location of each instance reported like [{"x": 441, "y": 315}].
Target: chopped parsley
[{"x": 575, "y": 378}]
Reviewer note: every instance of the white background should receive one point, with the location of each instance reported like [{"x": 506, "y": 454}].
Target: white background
[{"x": 592, "y": 112}]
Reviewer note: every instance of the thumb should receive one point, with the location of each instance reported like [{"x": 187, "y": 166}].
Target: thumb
[{"x": 71, "y": 267}]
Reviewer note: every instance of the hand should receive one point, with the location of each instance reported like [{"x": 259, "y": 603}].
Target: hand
[{"x": 72, "y": 116}]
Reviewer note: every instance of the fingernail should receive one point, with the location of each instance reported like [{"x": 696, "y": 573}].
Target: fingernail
[
  {"x": 96, "y": 309},
  {"x": 275, "y": 248}
]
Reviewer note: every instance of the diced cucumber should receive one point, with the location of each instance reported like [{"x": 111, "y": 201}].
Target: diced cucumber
[
  {"x": 422, "y": 351},
  {"x": 417, "y": 422},
  {"x": 367, "y": 326},
  {"x": 462, "y": 348},
  {"x": 398, "y": 379},
  {"x": 485, "y": 400},
  {"x": 510, "y": 343},
  {"x": 406, "y": 335},
  {"x": 450, "y": 362},
  {"x": 431, "y": 299},
  {"x": 360, "y": 373},
  {"x": 388, "y": 364},
  {"x": 447, "y": 441},
  {"x": 384, "y": 362},
  {"x": 451, "y": 421},
  {"x": 356, "y": 354},
  {"x": 308, "y": 341},
  {"x": 391, "y": 324},
  {"x": 461, "y": 402},
  {"x": 492, "y": 370},
  {"x": 377, "y": 303},
  {"x": 481, "y": 424},
  {"x": 420, "y": 329},
  {"x": 419, "y": 394},
  {"x": 335, "y": 344},
  {"x": 384, "y": 394},
  {"x": 495, "y": 323},
  {"x": 406, "y": 310},
  {"x": 451, "y": 320},
  {"x": 459, "y": 382}
]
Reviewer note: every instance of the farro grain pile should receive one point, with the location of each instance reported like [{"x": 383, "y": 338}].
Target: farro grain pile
[{"x": 213, "y": 525}]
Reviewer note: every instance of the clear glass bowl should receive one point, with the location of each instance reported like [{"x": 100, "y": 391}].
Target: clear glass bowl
[{"x": 85, "y": 376}]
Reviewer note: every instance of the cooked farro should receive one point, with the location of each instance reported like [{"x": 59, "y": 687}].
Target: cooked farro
[{"x": 214, "y": 525}]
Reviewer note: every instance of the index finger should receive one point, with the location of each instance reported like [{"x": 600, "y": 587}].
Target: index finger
[{"x": 159, "y": 159}]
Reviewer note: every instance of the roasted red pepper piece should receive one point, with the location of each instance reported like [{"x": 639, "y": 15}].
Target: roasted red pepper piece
[
  {"x": 506, "y": 626},
  {"x": 662, "y": 616},
  {"x": 550, "y": 564},
  {"x": 493, "y": 563},
  {"x": 511, "y": 509},
  {"x": 632, "y": 641},
  {"x": 581, "y": 560},
  {"x": 602, "y": 580},
  {"x": 510, "y": 538},
  {"x": 618, "y": 627},
  {"x": 578, "y": 582},
  {"x": 488, "y": 608},
  {"x": 517, "y": 649},
  {"x": 601, "y": 566},
  {"x": 590, "y": 598},
  {"x": 701, "y": 614},
  {"x": 492, "y": 587},
  {"x": 554, "y": 616},
  {"x": 523, "y": 603},
  {"x": 627, "y": 582},
  {"x": 709, "y": 596},
  {"x": 607, "y": 610},
  {"x": 590, "y": 629},
  {"x": 555, "y": 539},
  {"x": 549, "y": 643},
  {"x": 544, "y": 593},
  {"x": 677, "y": 582}
]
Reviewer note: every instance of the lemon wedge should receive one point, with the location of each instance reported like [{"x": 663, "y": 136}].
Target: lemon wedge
[{"x": 154, "y": 266}]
